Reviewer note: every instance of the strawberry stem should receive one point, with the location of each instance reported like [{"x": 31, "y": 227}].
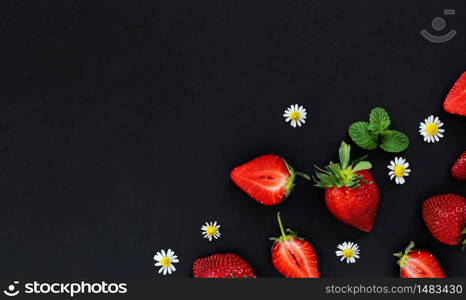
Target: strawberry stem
[{"x": 282, "y": 230}]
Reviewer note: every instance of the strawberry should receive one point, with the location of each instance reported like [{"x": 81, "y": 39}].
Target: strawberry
[
  {"x": 351, "y": 194},
  {"x": 458, "y": 170},
  {"x": 445, "y": 217},
  {"x": 269, "y": 179},
  {"x": 455, "y": 102},
  {"x": 227, "y": 265},
  {"x": 292, "y": 256},
  {"x": 417, "y": 263}
]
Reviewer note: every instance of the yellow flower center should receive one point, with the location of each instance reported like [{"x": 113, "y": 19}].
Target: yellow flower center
[
  {"x": 399, "y": 171},
  {"x": 431, "y": 129},
  {"x": 348, "y": 253},
  {"x": 166, "y": 262},
  {"x": 295, "y": 115},
  {"x": 211, "y": 230}
]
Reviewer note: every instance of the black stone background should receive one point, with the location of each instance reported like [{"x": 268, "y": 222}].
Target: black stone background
[{"x": 121, "y": 120}]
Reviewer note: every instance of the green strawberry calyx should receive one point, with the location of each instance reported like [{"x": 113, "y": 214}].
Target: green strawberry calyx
[
  {"x": 290, "y": 181},
  {"x": 403, "y": 256},
  {"x": 343, "y": 173},
  {"x": 284, "y": 237}
]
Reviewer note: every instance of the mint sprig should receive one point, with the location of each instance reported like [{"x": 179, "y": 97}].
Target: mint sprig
[{"x": 376, "y": 132}]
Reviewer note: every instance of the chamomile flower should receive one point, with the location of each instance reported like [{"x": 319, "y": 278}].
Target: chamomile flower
[
  {"x": 296, "y": 114},
  {"x": 211, "y": 230},
  {"x": 430, "y": 129},
  {"x": 165, "y": 261},
  {"x": 398, "y": 170},
  {"x": 348, "y": 251}
]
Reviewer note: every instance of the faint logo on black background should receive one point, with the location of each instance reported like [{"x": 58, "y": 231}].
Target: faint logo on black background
[
  {"x": 439, "y": 24},
  {"x": 11, "y": 291}
]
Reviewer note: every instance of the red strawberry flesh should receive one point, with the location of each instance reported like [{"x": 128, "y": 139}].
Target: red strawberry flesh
[
  {"x": 417, "y": 263},
  {"x": 293, "y": 257},
  {"x": 268, "y": 179},
  {"x": 455, "y": 101}
]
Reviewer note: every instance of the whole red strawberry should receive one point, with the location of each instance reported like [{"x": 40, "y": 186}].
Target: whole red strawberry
[
  {"x": 292, "y": 256},
  {"x": 268, "y": 179},
  {"x": 445, "y": 217},
  {"x": 351, "y": 194},
  {"x": 458, "y": 170},
  {"x": 416, "y": 263},
  {"x": 227, "y": 265},
  {"x": 455, "y": 102}
]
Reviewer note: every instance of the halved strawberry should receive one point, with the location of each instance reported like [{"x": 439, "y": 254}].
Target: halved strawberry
[
  {"x": 292, "y": 256},
  {"x": 416, "y": 263},
  {"x": 268, "y": 179},
  {"x": 455, "y": 102}
]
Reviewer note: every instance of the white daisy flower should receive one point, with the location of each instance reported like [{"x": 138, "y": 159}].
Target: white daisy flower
[
  {"x": 430, "y": 129},
  {"x": 165, "y": 261},
  {"x": 348, "y": 251},
  {"x": 296, "y": 114},
  {"x": 211, "y": 230},
  {"x": 398, "y": 170}
]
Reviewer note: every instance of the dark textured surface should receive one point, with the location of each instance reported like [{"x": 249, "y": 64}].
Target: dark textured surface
[{"x": 120, "y": 122}]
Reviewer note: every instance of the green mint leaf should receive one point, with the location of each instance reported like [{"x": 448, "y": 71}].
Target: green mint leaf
[
  {"x": 360, "y": 134},
  {"x": 344, "y": 153},
  {"x": 363, "y": 165},
  {"x": 379, "y": 120},
  {"x": 394, "y": 141},
  {"x": 385, "y": 132}
]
